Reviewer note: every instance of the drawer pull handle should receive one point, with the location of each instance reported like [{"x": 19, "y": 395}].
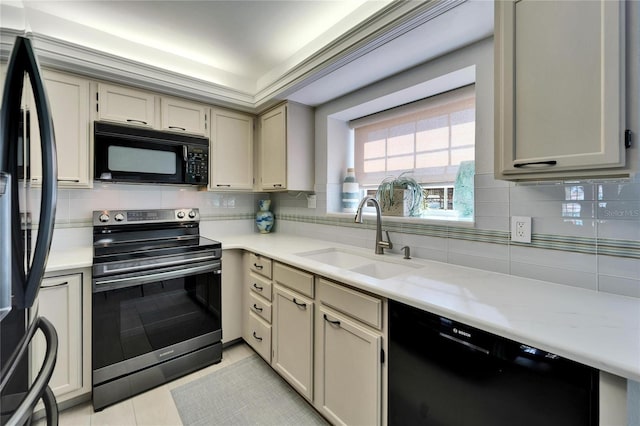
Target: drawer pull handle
[
  {"x": 536, "y": 164},
  {"x": 257, "y": 308},
  {"x": 225, "y": 185},
  {"x": 300, "y": 304},
  {"x": 259, "y": 339},
  {"x": 130, "y": 120},
  {"x": 178, "y": 128},
  {"x": 336, "y": 322},
  {"x": 257, "y": 287},
  {"x": 255, "y": 265},
  {"x": 56, "y": 285}
]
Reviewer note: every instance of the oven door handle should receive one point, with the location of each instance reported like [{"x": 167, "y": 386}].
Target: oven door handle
[{"x": 110, "y": 284}]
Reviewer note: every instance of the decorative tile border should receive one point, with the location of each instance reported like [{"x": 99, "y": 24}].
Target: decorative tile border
[{"x": 609, "y": 247}]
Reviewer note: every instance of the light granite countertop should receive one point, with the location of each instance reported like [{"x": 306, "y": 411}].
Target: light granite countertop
[{"x": 597, "y": 329}]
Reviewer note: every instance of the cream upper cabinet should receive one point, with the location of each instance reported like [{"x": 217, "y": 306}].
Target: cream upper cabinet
[
  {"x": 231, "y": 158},
  {"x": 183, "y": 116},
  {"x": 60, "y": 301},
  {"x": 126, "y": 105},
  {"x": 559, "y": 89},
  {"x": 286, "y": 148},
  {"x": 69, "y": 101}
]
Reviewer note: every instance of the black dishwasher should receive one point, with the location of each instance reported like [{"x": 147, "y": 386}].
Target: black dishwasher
[{"x": 445, "y": 373}]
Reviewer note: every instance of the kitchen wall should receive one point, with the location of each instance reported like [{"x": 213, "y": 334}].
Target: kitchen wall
[
  {"x": 586, "y": 233},
  {"x": 222, "y": 214}
]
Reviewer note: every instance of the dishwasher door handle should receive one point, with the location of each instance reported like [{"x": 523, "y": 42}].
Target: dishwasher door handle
[{"x": 465, "y": 343}]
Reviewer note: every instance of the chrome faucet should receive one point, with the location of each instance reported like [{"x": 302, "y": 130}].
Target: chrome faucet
[{"x": 380, "y": 243}]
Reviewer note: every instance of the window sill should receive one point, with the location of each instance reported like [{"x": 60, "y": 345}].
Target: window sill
[{"x": 443, "y": 220}]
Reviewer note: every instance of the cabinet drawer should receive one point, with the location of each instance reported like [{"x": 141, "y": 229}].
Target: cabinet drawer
[
  {"x": 260, "y": 285},
  {"x": 260, "y": 265},
  {"x": 259, "y": 336},
  {"x": 297, "y": 280},
  {"x": 360, "y": 306},
  {"x": 259, "y": 306}
]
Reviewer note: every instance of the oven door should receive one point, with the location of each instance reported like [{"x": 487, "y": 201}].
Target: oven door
[{"x": 143, "y": 320}]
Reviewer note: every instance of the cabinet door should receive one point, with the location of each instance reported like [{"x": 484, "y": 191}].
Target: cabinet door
[
  {"x": 69, "y": 102},
  {"x": 183, "y": 117},
  {"x": 273, "y": 149},
  {"x": 60, "y": 301},
  {"x": 231, "y": 156},
  {"x": 293, "y": 340},
  {"x": 559, "y": 87},
  {"x": 349, "y": 368},
  {"x": 116, "y": 103}
]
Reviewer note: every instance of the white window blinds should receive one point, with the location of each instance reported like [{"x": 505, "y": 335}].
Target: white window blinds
[{"x": 429, "y": 137}]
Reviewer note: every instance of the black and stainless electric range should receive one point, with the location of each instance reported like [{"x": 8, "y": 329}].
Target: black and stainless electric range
[{"x": 156, "y": 300}]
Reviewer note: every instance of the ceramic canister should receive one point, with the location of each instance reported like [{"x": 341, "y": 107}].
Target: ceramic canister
[{"x": 264, "y": 218}]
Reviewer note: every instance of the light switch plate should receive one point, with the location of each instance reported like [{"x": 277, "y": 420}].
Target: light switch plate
[{"x": 521, "y": 229}]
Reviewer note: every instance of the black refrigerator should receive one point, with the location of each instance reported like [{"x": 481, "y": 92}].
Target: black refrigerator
[{"x": 23, "y": 253}]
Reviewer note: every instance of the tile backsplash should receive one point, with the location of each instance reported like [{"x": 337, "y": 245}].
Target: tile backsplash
[{"x": 585, "y": 233}]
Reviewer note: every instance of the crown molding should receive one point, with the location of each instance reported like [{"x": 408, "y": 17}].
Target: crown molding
[{"x": 388, "y": 24}]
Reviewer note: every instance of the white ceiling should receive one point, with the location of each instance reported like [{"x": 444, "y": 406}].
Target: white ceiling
[{"x": 246, "y": 46}]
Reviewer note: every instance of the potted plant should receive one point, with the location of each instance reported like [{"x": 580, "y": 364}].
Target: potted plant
[{"x": 400, "y": 196}]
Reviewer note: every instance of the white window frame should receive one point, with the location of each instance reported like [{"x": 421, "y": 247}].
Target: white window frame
[{"x": 437, "y": 105}]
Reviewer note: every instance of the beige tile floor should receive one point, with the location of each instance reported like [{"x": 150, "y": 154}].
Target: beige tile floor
[{"x": 152, "y": 408}]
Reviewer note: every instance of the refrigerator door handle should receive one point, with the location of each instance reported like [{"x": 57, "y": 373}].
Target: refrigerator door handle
[
  {"x": 40, "y": 387},
  {"x": 5, "y": 244},
  {"x": 23, "y": 60}
]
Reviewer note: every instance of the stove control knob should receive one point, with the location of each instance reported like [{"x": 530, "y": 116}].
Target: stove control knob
[
  {"x": 192, "y": 214},
  {"x": 180, "y": 214},
  {"x": 119, "y": 217},
  {"x": 104, "y": 217}
]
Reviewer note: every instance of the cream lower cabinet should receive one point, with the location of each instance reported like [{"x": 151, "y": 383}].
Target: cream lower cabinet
[
  {"x": 293, "y": 327},
  {"x": 257, "y": 304},
  {"x": 324, "y": 338},
  {"x": 349, "y": 360},
  {"x": 62, "y": 300}
]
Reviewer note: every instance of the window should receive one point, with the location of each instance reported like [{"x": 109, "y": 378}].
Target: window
[{"x": 429, "y": 138}]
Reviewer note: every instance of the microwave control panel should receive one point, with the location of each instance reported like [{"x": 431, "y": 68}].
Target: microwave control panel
[{"x": 197, "y": 166}]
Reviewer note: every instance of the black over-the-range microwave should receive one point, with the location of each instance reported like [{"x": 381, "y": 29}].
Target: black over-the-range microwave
[{"x": 139, "y": 155}]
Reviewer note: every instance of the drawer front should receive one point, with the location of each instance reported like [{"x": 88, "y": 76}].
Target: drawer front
[
  {"x": 260, "y": 307},
  {"x": 360, "y": 306},
  {"x": 295, "y": 279},
  {"x": 260, "y": 265},
  {"x": 260, "y": 285},
  {"x": 259, "y": 336}
]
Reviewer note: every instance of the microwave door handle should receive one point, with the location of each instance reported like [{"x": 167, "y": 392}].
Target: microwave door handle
[{"x": 184, "y": 153}]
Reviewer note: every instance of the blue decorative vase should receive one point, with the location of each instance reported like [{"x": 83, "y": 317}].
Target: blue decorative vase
[
  {"x": 350, "y": 192},
  {"x": 264, "y": 218}
]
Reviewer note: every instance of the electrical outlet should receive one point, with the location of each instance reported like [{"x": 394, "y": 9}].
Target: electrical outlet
[{"x": 521, "y": 229}]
